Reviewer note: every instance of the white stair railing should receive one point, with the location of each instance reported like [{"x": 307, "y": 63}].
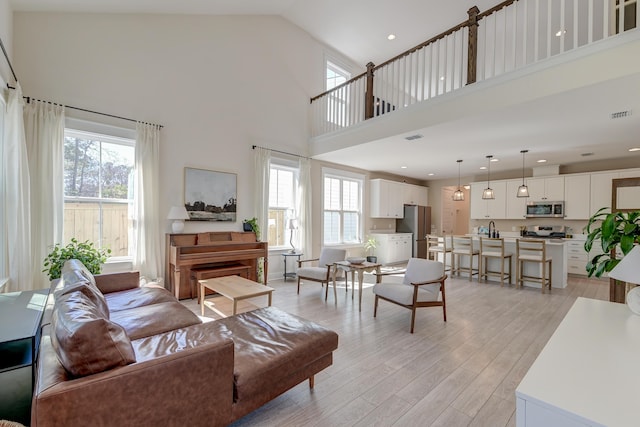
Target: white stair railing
[{"x": 507, "y": 37}]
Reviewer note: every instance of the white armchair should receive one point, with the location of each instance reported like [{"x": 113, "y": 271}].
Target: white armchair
[
  {"x": 322, "y": 272},
  {"x": 421, "y": 286}
]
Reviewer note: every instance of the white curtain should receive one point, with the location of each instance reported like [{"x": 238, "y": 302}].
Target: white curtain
[
  {"x": 17, "y": 203},
  {"x": 262, "y": 167},
  {"x": 147, "y": 233},
  {"x": 304, "y": 205},
  {"x": 44, "y": 136}
]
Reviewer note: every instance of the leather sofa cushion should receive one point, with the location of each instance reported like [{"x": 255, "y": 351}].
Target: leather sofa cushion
[
  {"x": 154, "y": 319},
  {"x": 137, "y": 297},
  {"x": 270, "y": 344},
  {"x": 84, "y": 340},
  {"x": 76, "y": 277},
  {"x": 75, "y": 265}
]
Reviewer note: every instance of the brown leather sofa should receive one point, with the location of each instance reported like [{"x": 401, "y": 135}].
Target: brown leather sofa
[{"x": 113, "y": 353}]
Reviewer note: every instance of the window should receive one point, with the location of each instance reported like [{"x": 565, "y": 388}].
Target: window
[
  {"x": 338, "y": 100},
  {"x": 342, "y": 206},
  {"x": 98, "y": 190},
  {"x": 3, "y": 236},
  {"x": 283, "y": 181}
]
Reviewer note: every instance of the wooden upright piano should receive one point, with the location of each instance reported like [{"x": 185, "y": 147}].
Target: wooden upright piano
[{"x": 210, "y": 249}]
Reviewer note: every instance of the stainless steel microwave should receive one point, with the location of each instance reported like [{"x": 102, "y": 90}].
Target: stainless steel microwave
[{"x": 545, "y": 209}]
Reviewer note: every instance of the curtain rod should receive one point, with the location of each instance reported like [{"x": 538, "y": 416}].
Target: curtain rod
[
  {"x": 6, "y": 56},
  {"x": 253, "y": 147},
  {"x": 28, "y": 98}
]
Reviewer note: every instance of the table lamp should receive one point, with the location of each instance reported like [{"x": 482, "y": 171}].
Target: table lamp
[
  {"x": 628, "y": 270},
  {"x": 293, "y": 225},
  {"x": 178, "y": 214}
]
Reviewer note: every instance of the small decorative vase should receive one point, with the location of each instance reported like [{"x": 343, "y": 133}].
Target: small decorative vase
[{"x": 372, "y": 258}]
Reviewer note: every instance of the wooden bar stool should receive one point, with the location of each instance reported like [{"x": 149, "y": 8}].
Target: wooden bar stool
[
  {"x": 437, "y": 245},
  {"x": 533, "y": 250},
  {"x": 463, "y": 246},
  {"x": 493, "y": 248}
]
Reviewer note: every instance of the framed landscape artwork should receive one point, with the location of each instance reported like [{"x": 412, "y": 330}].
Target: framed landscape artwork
[{"x": 210, "y": 195}]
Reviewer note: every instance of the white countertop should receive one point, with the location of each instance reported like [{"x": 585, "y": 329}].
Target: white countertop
[
  {"x": 588, "y": 370},
  {"x": 512, "y": 239}
]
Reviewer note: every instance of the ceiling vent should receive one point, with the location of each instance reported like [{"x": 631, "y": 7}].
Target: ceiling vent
[
  {"x": 621, "y": 114},
  {"x": 413, "y": 137}
]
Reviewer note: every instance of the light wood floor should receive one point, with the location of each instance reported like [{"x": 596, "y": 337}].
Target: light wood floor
[{"x": 460, "y": 373}]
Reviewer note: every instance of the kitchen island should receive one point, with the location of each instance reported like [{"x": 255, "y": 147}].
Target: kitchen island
[{"x": 556, "y": 249}]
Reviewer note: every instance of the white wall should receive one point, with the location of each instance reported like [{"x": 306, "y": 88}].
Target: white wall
[{"x": 217, "y": 84}]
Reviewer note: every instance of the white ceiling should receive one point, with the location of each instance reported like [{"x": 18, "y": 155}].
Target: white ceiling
[{"x": 559, "y": 128}]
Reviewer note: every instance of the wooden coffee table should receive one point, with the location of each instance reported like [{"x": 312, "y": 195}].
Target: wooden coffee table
[{"x": 235, "y": 288}]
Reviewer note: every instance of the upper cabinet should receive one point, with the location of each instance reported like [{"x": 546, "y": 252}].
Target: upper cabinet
[
  {"x": 415, "y": 195},
  {"x": 601, "y": 187},
  {"x": 386, "y": 199},
  {"x": 577, "y": 197},
  {"x": 489, "y": 209},
  {"x": 516, "y": 206},
  {"x": 546, "y": 188}
]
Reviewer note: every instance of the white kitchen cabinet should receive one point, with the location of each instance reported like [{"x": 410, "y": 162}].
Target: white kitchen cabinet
[
  {"x": 516, "y": 206},
  {"x": 577, "y": 257},
  {"x": 386, "y": 199},
  {"x": 577, "y": 196},
  {"x": 415, "y": 195},
  {"x": 546, "y": 188},
  {"x": 488, "y": 209},
  {"x": 394, "y": 247},
  {"x": 601, "y": 190}
]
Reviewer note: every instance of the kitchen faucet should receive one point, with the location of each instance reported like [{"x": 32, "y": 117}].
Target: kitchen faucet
[{"x": 494, "y": 228}]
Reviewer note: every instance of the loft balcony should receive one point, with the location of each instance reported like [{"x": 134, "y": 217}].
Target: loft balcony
[{"x": 452, "y": 73}]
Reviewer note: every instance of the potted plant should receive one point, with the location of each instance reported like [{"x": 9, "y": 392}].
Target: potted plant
[
  {"x": 370, "y": 246},
  {"x": 86, "y": 252},
  {"x": 252, "y": 225},
  {"x": 617, "y": 229}
]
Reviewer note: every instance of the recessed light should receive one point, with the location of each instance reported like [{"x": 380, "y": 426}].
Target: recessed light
[
  {"x": 467, "y": 187},
  {"x": 542, "y": 161},
  {"x": 495, "y": 160},
  {"x": 634, "y": 149},
  {"x": 431, "y": 174},
  {"x": 483, "y": 168},
  {"x": 403, "y": 167},
  {"x": 561, "y": 33},
  {"x": 391, "y": 37},
  {"x": 441, "y": 78}
]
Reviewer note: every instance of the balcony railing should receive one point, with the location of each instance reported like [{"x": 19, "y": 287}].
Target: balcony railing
[{"x": 507, "y": 37}]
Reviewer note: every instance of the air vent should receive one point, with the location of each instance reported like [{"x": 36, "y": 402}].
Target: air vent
[
  {"x": 586, "y": 154},
  {"x": 621, "y": 114},
  {"x": 413, "y": 137}
]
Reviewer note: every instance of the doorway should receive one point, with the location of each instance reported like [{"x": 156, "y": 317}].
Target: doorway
[{"x": 454, "y": 216}]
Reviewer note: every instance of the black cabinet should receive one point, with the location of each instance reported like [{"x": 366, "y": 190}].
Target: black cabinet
[{"x": 20, "y": 320}]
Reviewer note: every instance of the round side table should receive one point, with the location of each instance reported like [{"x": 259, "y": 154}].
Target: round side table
[{"x": 286, "y": 255}]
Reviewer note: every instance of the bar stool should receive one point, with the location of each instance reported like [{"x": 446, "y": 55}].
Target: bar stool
[
  {"x": 493, "y": 248},
  {"x": 532, "y": 250},
  {"x": 463, "y": 246},
  {"x": 438, "y": 245}
]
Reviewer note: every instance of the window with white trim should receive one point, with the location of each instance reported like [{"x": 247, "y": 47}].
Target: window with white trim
[
  {"x": 98, "y": 190},
  {"x": 283, "y": 181},
  {"x": 342, "y": 207},
  {"x": 339, "y": 99}
]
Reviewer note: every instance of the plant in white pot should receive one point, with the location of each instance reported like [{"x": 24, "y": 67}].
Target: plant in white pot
[{"x": 370, "y": 246}]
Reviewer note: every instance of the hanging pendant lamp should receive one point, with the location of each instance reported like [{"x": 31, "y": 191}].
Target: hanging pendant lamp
[
  {"x": 523, "y": 190},
  {"x": 488, "y": 192},
  {"x": 458, "y": 195}
]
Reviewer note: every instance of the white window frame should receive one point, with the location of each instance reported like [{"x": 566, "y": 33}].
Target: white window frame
[
  {"x": 350, "y": 176},
  {"x": 109, "y": 134},
  {"x": 287, "y": 165},
  {"x": 3, "y": 220},
  {"x": 337, "y": 100}
]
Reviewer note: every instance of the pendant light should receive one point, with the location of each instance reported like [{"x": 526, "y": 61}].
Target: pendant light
[
  {"x": 458, "y": 195},
  {"x": 488, "y": 192},
  {"x": 523, "y": 190}
]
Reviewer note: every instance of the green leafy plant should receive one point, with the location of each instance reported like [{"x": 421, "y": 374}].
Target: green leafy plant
[
  {"x": 616, "y": 229},
  {"x": 253, "y": 223},
  {"x": 86, "y": 252},
  {"x": 370, "y": 245}
]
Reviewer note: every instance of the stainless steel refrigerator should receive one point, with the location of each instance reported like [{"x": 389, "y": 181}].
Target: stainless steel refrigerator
[{"x": 417, "y": 220}]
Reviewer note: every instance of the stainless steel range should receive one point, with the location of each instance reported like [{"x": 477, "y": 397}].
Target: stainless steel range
[{"x": 546, "y": 231}]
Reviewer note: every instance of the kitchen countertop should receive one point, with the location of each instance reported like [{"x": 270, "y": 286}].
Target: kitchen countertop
[{"x": 512, "y": 239}]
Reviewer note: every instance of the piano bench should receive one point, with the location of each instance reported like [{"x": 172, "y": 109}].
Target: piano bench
[{"x": 204, "y": 273}]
